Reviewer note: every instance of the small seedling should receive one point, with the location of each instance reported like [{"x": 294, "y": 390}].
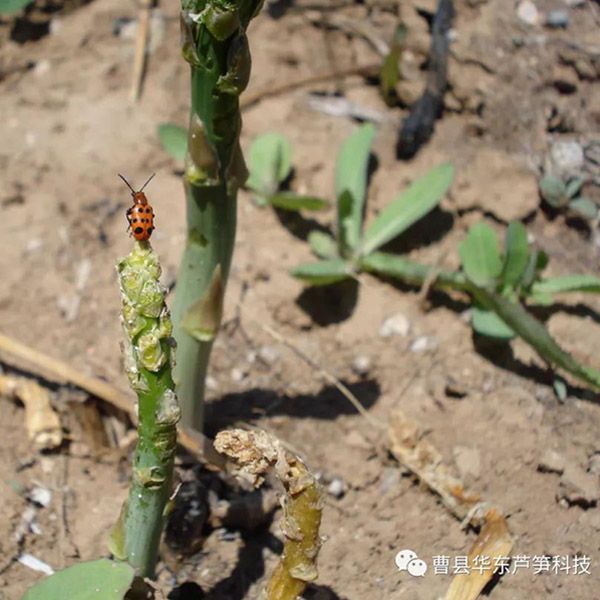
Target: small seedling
[
  {"x": 515, "y": 274},
  {"x": 389, "y": 73},
  {"x": 9, "y": 7},
  {"x": 270, "y": 165},
  {"x": 343, "y": 256},
  {"x": 567, "y": 196}
]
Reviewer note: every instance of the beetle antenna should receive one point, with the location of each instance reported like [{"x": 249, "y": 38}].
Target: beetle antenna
[
  {"x": 126, "y": 183},
  {"x": 147, "y": 182}
]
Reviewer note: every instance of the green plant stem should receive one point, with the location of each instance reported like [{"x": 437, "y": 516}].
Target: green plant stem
[
  {"x": 215, "y": 45},
  {"x": 148, "y": 362},
  {"x": 412, "y": 272},
  {"x": 513, "y": 314},
  {"x": 213, "y": 220}
]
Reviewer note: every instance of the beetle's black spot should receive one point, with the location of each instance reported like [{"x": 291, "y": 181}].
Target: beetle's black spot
[
  {"x": 148, "y": 210},
  {"x": 138, "y": 230}
]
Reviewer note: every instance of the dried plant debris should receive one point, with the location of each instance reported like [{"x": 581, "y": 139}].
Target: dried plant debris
[
  {"x": 253, "y": 454},
  {"x": 41, "y": 420},
  {"x": 493, "y": 544},
  {"x": 425, "y": 461}
]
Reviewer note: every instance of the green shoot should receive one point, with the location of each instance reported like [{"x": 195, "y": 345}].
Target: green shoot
[
  {"x": 514, "y": 275},
  {"x": 567, "y": 196},
  {"x": 389, "y": 73},
  {"x": 343, "y": 255},
  {"x": 149, "y": 358},
  {"x": 9, "y": 7},
  {"x": 216, "y": 47},
  {"x": 270, "y": 165}
]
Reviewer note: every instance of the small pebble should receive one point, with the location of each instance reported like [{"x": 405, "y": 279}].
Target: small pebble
[
  {"x": 558, "y": 19},
  {"x": 269, "y": 354},
  {"x": 551, "y": 462},
  {"x": 527, "y": 12},
  {"x": 397, "y": 324},
  {"x": 211, "y": 383},
  {"x": 336, "y": 488},
  {"x": 422, "y": 343},
  {"x": 361, "y": 365},
  {"x": 566, "y": 159},
  {"x": 40, "y": 495},
  {"x": 237, "y": 375},
  {"x": 33, "y": 245},
  {"x": 35, "y": 564},
  {"x": 41, "y": 67},
  {"x": 594, "y": 463}
]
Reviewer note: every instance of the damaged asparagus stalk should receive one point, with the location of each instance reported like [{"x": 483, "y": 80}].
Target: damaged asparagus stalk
[
  {"x": 253, "y": 453},
  {"x": 215, "y": 45},
  {"x": 148, "y": 352}
]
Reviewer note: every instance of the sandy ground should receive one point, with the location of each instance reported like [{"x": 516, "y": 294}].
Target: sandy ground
[{"x": 68, "y": 128}]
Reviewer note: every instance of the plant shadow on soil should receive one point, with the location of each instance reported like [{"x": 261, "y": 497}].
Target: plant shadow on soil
[
  {"x": 329, "y": 304},
  {"x": 501, "y": 354},
  {"x": 425, "y": 232},
  {"x": 252, "y": 404},
  {"x": 249, "y": 568}
]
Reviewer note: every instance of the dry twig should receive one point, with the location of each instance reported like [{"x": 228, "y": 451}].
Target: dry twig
[{"x": 194, "y": 442}]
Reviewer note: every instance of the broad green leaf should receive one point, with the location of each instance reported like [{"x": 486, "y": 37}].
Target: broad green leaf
[
  {"x": 567, "y": 283},
  {"x": 8, "y": 7},
  {"x": 269, "y": 163},
  {"x": 488, "y": 323},
  {"x": 351, "y": 178},
  {"x": 538, "y": 260},
  {"x": 93, "y": 580},
  {"x": 584, "y": 207},
  {"x": 480, "y": 256},
  {"x": 572, "y": 188},
  {"x": 410, "y": 206},
  {"x": 535, "y": 334},
  {"x": 293, "y": 201},
  {"x": 516, "y": 254},
  {"x": 173, "y": 139},
  {"x": 553, "y": 191},
  {"x": 322, "y": 244},
  {"x": 345, "y": 202},
  {"x": 323, "y": 272}
]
